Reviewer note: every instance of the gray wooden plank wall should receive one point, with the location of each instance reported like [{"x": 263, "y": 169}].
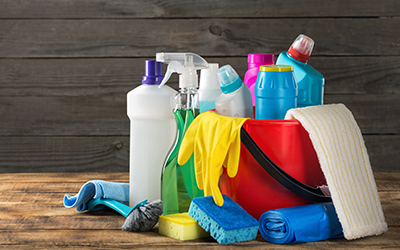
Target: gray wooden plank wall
[{"x": 66, "y": 66}]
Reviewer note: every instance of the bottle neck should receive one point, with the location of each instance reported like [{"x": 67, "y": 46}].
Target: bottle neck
[
  {"x": 255, "y": 65},
  {"x": 187, "y": 98},
  {"x": 295, "y": 54}
]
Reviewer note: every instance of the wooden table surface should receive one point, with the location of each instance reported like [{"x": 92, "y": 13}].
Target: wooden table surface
[{"x": 32, "y": 216}]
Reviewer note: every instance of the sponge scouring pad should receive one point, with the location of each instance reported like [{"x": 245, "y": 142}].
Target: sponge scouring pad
[
  {"x": 181, "y": 227},
  {"x": 227, "y": 224}
]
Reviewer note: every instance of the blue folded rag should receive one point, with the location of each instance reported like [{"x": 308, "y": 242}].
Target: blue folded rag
[
  {"x": 307, "y": 223},
  {"x": 95, "y": 189}
]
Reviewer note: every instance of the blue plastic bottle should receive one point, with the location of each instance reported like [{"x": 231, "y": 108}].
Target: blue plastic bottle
[
  {"x": 275, "y": 91},
  {"x": 309, "y": 81}
]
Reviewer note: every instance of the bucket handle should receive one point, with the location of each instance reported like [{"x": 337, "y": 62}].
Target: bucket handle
[{"x": 286, "y": 180}]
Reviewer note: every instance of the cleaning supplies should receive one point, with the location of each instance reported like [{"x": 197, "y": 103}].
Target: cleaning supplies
[
  {"x": 139, "y": 218},
  {"x": 275, "y": 91},
  {"x": 307, "y": 223},
  {"x": 181, "y": 226},
  {"x": 152, "y": 133},
  {"x": 254, "y": 62},
  {"x": 215, "y": 140},
  {"x": 309, "y": 81},
  {"x": 344, "y": 160},
  {"x": 235, "y": 99},
  {"x": 227, "y": 224},
  {"x": 97, "y": 189},
  {"x": 178, "y": 181},
  {"x": 209, "y": 88}
]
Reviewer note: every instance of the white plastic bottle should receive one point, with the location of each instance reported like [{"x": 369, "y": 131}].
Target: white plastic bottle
[
  {"x": 152, "y": 133},
  {"x": 235, "y": 100},
  {"x": 209, "y": 89}
]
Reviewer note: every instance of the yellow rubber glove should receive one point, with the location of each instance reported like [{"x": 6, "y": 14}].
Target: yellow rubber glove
[{"x": 215, "y": 141}]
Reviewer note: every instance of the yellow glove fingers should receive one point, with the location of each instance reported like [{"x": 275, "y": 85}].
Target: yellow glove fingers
[
  {"x": 232, "y": 164},
  {"x": 199, "y": 164},
  {"x": 214, "y": 181},
  {"x": 208, "y": 168},
  {"x": 233, "y": 157},
  {"x": 215, "y": 170},
  {"x": 206, "y": 138},
  {"x": 187, "y": 145}
]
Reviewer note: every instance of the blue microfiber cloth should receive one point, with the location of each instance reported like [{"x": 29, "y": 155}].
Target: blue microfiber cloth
[
  {"x": 95, "y": 189},
  {"x": 306, "y": 223},
  {"x": 227, "y": 224}
]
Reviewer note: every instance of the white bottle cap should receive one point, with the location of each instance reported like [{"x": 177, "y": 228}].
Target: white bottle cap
[
  {"x": 229, "y": 81},
  {"x": 208, "y": 77}
]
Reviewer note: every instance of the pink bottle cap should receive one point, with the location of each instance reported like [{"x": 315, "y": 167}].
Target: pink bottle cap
[{"x": 256, "y": 60}]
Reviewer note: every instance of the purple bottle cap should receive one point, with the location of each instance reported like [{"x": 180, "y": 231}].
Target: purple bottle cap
[
  {"x": 256, "y": 60},
  {"x": 153, "y": 73}
]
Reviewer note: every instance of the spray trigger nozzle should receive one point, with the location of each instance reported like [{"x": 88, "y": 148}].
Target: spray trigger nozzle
[{"x": 185, "y": 64}]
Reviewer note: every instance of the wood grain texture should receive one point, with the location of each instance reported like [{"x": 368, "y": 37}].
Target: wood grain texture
[
  {"x": 32, "y": 216},
  {"x": 65, "y": 178},
  {"x": 111, "y": 154},
  {"x": 66, "y": 66},
  {"x": 207, "y": 37},
  {"x": 86, "y": 76},
  {"x": 200, "y": 9},
  {"x": 64, "y": 154},
  {"x": 106, "y": 114}
]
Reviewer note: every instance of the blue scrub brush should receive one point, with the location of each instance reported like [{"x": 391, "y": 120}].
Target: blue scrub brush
[
  {"x": 227, "y": 224},
  {"x": 140, "y": 218}
]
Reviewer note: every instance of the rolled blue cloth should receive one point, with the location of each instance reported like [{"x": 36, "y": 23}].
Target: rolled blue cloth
[
  {"x": 95, "y": 189},
  {"x": 306, "y": 223}
]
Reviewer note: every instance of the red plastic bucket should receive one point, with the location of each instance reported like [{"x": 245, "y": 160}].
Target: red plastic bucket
[{"x": 289, "y": 146}]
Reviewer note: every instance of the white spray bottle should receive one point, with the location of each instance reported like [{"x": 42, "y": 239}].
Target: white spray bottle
[
  {"x": 179, "y": 185},
  {"x": 209, "y": 89},
  {"x": 152, "y": 133}
]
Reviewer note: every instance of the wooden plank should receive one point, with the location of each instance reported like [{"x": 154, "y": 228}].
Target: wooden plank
[
  {"x": 359, "y": 75},
  {"x": 46, "y": 199},
  {"x": 38, "y": 216},
  {"x": 66, "y": 178},
  {"x": 200, "y": 9},
  {"x": 101, "y": 154},
  {"x": 375, "y": 114},
  {"x": 48, "y": 213},
  {"x": 76, "y": 77},
  {"x": 106, "y": 114},
  {"x": 84, "y": 115},
  {"x": 77, "y": 221},
  {"x": 384, "y": 151},
  {"x": 47, "y": 186},
  {"x": 32, "y": 218},
  {"x": 64, "y": 154},
  {"x": 110, "y": 239},
  {"x": 208, "y": 37},
  {"x": 53, "y": 182}
]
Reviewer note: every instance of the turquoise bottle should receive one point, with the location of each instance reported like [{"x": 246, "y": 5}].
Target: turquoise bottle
[{"x": 309, "y": 81}]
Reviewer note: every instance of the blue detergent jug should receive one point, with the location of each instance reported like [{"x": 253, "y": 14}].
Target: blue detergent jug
[
  {"x": 275, "y": 91},
  {"x": 309, "y": 81}
]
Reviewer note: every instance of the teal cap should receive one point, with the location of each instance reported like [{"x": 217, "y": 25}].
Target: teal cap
[{"x": 228, "y": 79}]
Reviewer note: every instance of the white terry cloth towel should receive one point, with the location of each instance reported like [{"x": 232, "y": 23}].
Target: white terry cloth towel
[{"x": 344, "y": 160}]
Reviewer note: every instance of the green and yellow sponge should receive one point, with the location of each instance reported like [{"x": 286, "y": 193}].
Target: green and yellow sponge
[{"x": 181, "y": 227}]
